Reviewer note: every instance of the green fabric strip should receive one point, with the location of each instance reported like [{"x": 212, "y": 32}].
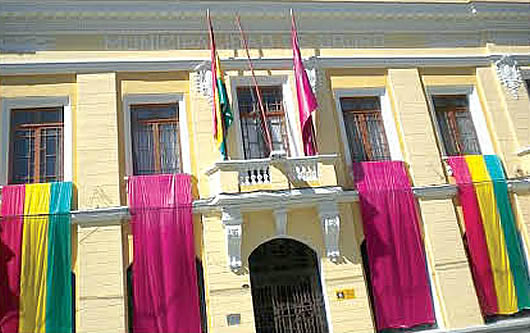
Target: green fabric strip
[
  {"x": 59, "y": 282},
  {"x": 513, "y": 241},
  {"x": 226, "y": 114}
]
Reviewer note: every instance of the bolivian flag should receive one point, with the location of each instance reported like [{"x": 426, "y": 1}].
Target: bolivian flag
[
  {"x": 222, "y": 114},
  {"x": 36, "y": 286},
  {"x": 494, "y": 240}
]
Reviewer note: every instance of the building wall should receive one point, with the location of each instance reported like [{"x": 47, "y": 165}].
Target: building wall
[{"x": 103, "y": 252}]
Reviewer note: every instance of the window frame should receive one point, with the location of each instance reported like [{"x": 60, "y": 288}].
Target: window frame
[
  {"x": 292, "y": 123},
  {"x": 129, "y": 101},
  {"x": 387, "y": 117},
  {"x": 475, "y": 109},
  {"x": 35, "y": 102}
]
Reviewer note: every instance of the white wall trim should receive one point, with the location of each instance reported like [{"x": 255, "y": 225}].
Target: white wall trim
[
  {"x": 475, "y": 109},
  {"x": 133, "y": 99},
  {"x": 389, "y": 122},
  {"x": 142, "y": 64},
  {"x": 9, "y": 104},
  {"x": 323, "y": 285},
  {"x": 479, "y": 120},
  {"x": 293, "y": 128}
]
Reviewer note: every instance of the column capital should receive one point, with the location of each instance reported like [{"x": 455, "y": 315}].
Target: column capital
[{"x": 509, "y": 74}]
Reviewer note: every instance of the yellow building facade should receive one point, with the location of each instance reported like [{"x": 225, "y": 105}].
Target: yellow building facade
[{"x": 98, "y": 61}]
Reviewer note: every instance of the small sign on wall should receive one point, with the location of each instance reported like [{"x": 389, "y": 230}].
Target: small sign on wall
[
  {"x": 233, "y": 319},
  {"x": 345, "y": 293}
]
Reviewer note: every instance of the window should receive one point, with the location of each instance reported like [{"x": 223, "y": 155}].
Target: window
[
  {"x": 36, "y": 150},
  {"x": 456, "y": 125},
  {"x": 155, "y": 139},
  {"x": 364, "y": 128},
  {"x": 254, "y": 142}
]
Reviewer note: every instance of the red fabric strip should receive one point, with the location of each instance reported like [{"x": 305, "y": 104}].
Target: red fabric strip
[
  {"x": 10, "y": 255},
  {"x": 396, "y": 257},
  {"x": 164, "y": 278},
  {"x": 476, "y": 239}
]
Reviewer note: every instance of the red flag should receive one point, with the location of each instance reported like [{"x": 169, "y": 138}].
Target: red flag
[{"x": 307, "y": 101}]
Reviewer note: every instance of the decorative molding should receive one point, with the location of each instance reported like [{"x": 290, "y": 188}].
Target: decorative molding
[
  {"x": 29, "y": 26},
  {"x": 189, "y": 65},
  {"x": 280, "y": 215},
  {"x": 233, "y": 224},
  {"x": 163, "y": 11},
  {"x": 509, "y": 75},
  {"x": 328, "y": 212}
]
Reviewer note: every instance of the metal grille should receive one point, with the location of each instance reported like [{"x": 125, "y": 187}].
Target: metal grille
[
  {"x": 286, "y": 289},
  {"x": 254, "y": 143},
  {"x": 36, "y": 145},
  {"x": 455, "y": 124},
  {"x": 364, "y": 128},
  {"x": 155, "y": 137}
]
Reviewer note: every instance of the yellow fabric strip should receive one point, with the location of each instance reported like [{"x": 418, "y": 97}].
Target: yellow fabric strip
[
  {"x": 217, "y": 100},
  {"x": 34, "y": 259},
  {"x": 502, "y": 275}
]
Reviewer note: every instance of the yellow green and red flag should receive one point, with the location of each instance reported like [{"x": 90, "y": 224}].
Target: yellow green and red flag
[
  {"x": 222, "y": 114},
  {"x": 36, "y": 285}
]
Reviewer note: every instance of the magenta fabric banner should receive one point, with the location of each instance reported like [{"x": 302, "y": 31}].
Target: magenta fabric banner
[
  {"x": 307, "y": 102},
  {"x": 10, "y": 256},
  {"x": 476, "y": 238},
  {"x": 395, "y": 250},
  {"x": 165, "y": 291}
]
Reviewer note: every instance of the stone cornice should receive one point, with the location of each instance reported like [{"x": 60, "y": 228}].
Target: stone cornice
[
  {"x": 156, "y": 16},
  {"x": 189, "y": 65},
  {"x": 275, "y": 9}
]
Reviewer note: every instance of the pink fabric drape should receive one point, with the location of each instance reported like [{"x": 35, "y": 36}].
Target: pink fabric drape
[
  {"x": 396, "y": 257},
  {"x": 10, "y": 255},
  {"x": 165, "y": 288},
  {"x": 476, "y": 238},
  {"x": 307, "y": 102}
]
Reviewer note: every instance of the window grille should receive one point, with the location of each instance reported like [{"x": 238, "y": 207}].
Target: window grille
[
  {"x": 364, "y": 128},
  {"x": 455, "y": 125},
  {"x": 155, "y": 139},
  {"x": 36, "y": 150},
  {"x": 254, "y": 143}
]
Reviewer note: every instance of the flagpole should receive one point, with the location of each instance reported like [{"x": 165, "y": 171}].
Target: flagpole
[
  {"x": 215, "y": 89},
  {"x": 255, "y": 81}
]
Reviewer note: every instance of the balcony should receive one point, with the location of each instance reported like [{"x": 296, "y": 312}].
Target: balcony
[{"x": 274, "y": 173}]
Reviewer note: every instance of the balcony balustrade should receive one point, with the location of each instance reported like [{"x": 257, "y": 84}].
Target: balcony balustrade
[{"x": 274, "y": 173}]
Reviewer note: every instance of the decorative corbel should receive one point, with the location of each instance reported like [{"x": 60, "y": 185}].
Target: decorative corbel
[
  {"x": 330, "y": 221},
  {"x": 233, "y": 223},
  {"x": 315, "y": 74},
  {"x": 203, "y": 81},
  {"x": 509, "y": 75}
]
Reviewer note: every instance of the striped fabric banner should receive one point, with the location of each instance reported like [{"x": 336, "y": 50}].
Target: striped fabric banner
[
  {"x": 40, "y": 283},
  {"x": 499, "y": 268}
]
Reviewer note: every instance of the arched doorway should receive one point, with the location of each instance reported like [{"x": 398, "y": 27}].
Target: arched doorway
[{"x": 286, "y": 289}]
